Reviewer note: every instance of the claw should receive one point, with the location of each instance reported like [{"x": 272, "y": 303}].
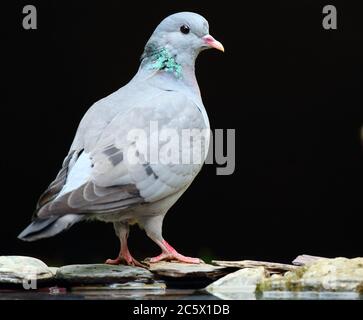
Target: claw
[
  {"x": 176, "y": 258},
  {"x": 113, "y": 262},
  {"x": 170, "y": 254},
  {"x": 129, "y": 261},
  {"x": 136, "y": 263}
]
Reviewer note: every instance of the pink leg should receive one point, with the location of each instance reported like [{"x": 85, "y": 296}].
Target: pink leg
[
  {"x": 125, "y": 257},
  {"x": 169, "y": 254},
  {"x": 153, "y": 228}
]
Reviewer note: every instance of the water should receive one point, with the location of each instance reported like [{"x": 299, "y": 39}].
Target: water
[{"x": 167, "y": 294}]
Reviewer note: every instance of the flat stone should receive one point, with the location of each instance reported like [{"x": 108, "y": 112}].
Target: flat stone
[
  {"x": 103, "y": 274},
  {"x": 187, "y": 270},
  {"x": 18, "y": 269},
  {"x": 323, "y": 275},
  {"x": 272, "y": 267},
  {"x": 242, "y": 280},
  {"x": 239, "y": 285}
]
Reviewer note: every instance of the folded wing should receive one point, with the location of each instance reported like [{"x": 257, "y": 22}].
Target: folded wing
[{"x": 118, "y": 172}]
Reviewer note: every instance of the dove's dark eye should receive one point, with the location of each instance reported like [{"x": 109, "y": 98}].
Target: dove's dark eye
[{"x": 184, "y": 29}]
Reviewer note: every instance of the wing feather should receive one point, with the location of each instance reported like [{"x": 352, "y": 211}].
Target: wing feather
[{"x": 111, "y": 181}]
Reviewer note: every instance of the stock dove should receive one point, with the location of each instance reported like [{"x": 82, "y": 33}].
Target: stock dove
[{"x": 107, "y": 174}]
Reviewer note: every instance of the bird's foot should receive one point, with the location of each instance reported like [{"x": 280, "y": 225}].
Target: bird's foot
[
  {"x": 170, "y": 254},
  {"x": 126, "y": 259},
  {"x": 114, "y": 262},
  {"x": 175, "y": 257}
]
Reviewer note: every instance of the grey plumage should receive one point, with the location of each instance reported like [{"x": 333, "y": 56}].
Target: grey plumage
[
  {"x": 97, "y": 180},
  {"x": 49, "y": 227}
]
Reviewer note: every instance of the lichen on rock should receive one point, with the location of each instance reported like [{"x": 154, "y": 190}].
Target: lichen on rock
[{"x": 337, "y": 275}]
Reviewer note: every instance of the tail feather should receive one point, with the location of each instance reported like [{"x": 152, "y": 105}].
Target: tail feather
[{"x": 48, "y": 227}]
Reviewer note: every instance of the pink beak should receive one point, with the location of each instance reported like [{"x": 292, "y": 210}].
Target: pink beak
[{"x": 213, "y": 43}]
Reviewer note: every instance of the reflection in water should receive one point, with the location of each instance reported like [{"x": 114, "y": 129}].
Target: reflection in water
[{"x": 170, "y": 294}]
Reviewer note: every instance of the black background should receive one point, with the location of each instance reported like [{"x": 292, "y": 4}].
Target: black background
[{"x": 292, "y": 91}]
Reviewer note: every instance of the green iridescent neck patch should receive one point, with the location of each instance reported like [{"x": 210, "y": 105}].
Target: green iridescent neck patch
[{"x": 161, "y": 59}]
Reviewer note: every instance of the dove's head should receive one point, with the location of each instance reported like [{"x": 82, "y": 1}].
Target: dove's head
[{"x": 177, "y": 41}]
